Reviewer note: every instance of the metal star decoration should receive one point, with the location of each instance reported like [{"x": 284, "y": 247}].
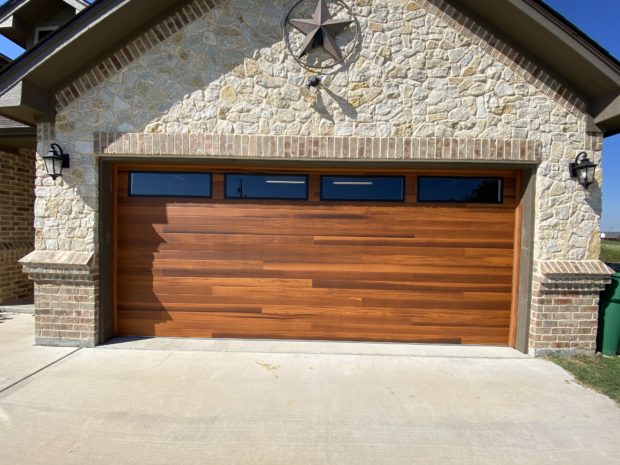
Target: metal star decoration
[{"x": 321, "y": 31}]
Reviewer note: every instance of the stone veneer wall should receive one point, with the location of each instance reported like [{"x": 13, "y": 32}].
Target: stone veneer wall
[
  {"x": 16, "y": 222},
  {"x": 218, "y": 70},
  {"x": 64, "y": 270}
]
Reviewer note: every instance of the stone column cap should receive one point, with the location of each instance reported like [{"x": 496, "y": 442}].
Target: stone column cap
[
  {"x": 60, "y": 266},
  {"x": 575, "y": 267},
  {"x": 46, "y": 258}
]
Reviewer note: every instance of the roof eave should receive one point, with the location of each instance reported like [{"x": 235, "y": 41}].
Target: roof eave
[
  {"x": 18, "y": 138},
  {"x": 608, "y": 119},
  {"x": 556, "y": 46},
  {"x": 62, "y": 56},
  {"x": 26, "y": 103}
]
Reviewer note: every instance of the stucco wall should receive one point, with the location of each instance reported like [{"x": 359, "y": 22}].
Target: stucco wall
[{"x": 230, "y": 73}]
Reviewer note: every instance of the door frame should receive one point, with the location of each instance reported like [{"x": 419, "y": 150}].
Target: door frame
[{"x": 524, "y": 223}]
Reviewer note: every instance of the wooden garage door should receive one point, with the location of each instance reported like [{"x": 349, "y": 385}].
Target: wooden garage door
[{"x": 315, "y": 269}]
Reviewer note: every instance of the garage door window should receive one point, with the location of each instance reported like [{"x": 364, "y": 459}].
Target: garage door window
[
  {"x": 376, "y": 188},
  {"x": 268, "y": 187},
  {"x": 169, "y": 184},
  {"x": 460, "y": 189}
]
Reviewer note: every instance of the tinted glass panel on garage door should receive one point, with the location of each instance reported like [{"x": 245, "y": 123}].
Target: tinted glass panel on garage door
[
  {"x": 459, "y": 189},
  {"x": 376, "y": 188},
  {"x": 261, "y": 186},
  {"x": 169, "y": 184}
]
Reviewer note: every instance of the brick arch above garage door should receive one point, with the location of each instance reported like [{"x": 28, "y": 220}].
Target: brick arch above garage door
[
  {"x": 526, "y": 151},
  {"x": 314, "y": 269}
]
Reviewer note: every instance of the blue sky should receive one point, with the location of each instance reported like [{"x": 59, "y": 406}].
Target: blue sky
[{"x": 600, "y": 19}]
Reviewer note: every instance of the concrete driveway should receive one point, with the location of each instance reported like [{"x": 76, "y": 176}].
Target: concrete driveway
[{"x": 163, "y": 401}]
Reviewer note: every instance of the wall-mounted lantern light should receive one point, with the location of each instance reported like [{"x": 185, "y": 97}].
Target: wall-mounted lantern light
[
  {"x": 55, "y": 161},
  {"x": 582, "y": 169}
]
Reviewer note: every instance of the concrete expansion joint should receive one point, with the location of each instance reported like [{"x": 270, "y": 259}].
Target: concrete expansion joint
[{"x": 21, "y": 380}]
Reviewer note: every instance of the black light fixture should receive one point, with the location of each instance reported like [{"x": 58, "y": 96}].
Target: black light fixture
[
  {"x": 582, "y": 169},
  {"x": 55, "y": 161}
]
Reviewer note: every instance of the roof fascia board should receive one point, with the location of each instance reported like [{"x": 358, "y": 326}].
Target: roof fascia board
[
  {"x": 606, "y": 111},
  {"x": 573, "y": 31},
  {"x": 13, "y": 132},
  {"x": 45, "y": 50},
  {"x": 17, "y": 144},
  {"x": 78, "y": 5},
  {"x": 13, "y": 22},
  {"x": 15, "y": 29},
  {"x": 570, "y": 38},
  {"x": 611, "y": 110},
  {"x": 24, "y": 102},
  {"x": 23, "y": 93},
  {"x": 11, "y": 11},
  {"x": 522, "y": 50},
  {"x": 587, "y": 51},
  {"x": 7, "y": 22}
]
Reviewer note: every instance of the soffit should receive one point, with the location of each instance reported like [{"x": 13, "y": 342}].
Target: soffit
[{"x": 84, "y": 39}]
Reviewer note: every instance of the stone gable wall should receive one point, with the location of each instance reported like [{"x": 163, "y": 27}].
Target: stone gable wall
[
  {"x": 421, "y": 74},
  {"x": 230, "y": 73}
]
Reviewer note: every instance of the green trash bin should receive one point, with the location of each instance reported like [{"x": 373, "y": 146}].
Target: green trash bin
[{"x": 609, "y": 318}]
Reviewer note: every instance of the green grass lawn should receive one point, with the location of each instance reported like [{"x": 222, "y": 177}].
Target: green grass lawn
[
  {"x": 600, "y": 373},
  {"x": 610, "y": 251}
]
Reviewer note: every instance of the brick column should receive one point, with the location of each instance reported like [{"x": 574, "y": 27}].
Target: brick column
[
  {"x": 66, "y": 297},
  {"x": 564, "y": 313}
]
